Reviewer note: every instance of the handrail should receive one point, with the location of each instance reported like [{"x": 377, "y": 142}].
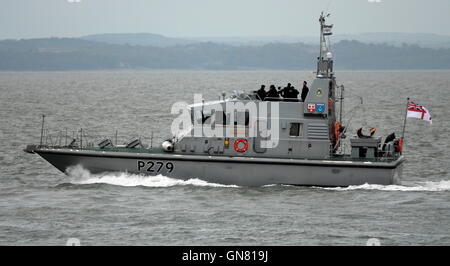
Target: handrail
[
  {"x": 279, "y": 99},
  {"x": 54, "y": 138}
]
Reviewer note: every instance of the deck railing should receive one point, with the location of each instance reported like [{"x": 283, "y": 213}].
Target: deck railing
[{"x": 82, "y": 138}]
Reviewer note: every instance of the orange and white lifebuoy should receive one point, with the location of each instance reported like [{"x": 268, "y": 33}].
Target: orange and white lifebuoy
[{"x": 243, "y": 149}]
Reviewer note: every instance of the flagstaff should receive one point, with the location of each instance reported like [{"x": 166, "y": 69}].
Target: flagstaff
[
  {"x": 415, "y": 111},
  {"x": 404, "y": 122}
]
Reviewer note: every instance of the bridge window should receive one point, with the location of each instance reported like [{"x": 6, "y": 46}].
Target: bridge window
[
  {"x": 220, "y": 118},
  {"x": 296, "y": 130},
  {"x": 242, "y": 118},
  {"x": 206, "y": 117}
]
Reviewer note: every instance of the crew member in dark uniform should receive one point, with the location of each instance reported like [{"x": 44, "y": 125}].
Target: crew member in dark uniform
[
  {"x": 272, "y": 93},
  {"x": 290, "y": 92},
  {"x": 305, "y": 91},
  {"x": 261, "y": 92},
  {"x": 286, "y": 91},
  {"x": 294, "y": 93}
]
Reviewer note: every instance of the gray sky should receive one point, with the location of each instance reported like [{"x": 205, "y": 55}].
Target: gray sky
[{"x": 214, "y": 18}]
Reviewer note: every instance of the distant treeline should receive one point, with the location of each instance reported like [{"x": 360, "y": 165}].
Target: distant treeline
[{"x": 78, "y": 54}]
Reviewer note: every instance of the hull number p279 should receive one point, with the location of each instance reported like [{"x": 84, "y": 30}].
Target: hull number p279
[{"x": 154, "y": 166}]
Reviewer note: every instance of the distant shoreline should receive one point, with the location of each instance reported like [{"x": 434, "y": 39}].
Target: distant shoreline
[{"x": 83, "y": 55}]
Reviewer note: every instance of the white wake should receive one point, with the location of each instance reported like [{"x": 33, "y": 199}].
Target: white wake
[
  {"x": 79, "y": 175},
  {"x": 443, "y": 185}
]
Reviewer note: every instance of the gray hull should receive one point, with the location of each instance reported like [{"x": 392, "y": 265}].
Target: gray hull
[{"x": 239, "y": 171}]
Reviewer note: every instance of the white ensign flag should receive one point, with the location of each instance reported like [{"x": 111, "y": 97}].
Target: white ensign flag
[{"x": 418, "y": 111}]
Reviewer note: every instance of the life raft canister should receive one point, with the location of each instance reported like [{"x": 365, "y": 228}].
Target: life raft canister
[{"x": 243, "y": 149}]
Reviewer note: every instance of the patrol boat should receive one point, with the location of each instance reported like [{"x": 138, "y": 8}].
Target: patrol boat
[{"x": 296, "y": 142}]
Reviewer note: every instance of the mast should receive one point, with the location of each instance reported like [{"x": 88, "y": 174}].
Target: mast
[
  {"x": 322, "y": 22},
  {"x": 325, "y": 72},
  {"x": 322, "y": 37},
  {"x": 325, "y": 60}
]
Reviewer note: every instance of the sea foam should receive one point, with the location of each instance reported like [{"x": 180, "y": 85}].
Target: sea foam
[
  {"x": 79, "y": 175},
  {"x": 443, "y": 185}
]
